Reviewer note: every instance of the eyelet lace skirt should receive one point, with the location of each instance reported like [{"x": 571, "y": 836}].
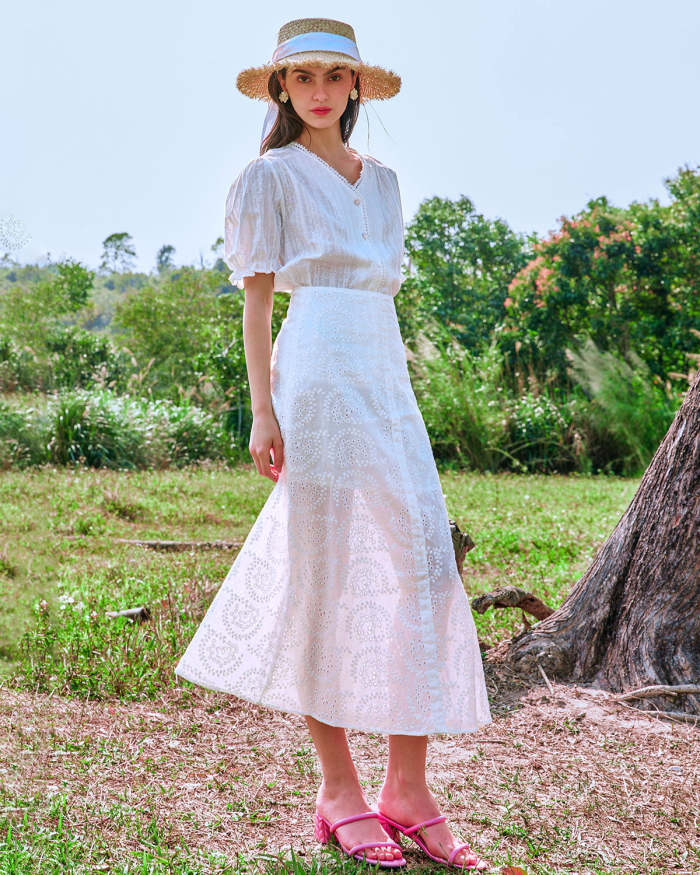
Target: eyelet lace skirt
[{"x": 345, "y": 602}]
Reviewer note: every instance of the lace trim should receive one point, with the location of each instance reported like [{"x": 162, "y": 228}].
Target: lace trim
[{"x": 352, "y": 185}]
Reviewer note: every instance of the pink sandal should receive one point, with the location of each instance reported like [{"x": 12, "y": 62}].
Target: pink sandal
[
  {"x": 323, "y": 830},
  {"x": 394, "y": 829}
]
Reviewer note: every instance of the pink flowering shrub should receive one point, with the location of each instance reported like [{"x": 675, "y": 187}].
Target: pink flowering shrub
[{"x": 627, "y": 278}]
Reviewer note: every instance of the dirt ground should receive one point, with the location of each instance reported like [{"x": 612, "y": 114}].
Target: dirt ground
[{"x": 561, "y": 781}]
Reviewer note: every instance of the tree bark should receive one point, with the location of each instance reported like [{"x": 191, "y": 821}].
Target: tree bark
[{"x": 633, "y": 619}]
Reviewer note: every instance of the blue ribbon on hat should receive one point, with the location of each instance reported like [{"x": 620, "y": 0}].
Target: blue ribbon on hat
[{"x": 317, "y": 41}]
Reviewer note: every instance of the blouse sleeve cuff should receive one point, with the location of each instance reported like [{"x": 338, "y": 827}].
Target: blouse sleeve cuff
[{"x": 237, "y": 275}]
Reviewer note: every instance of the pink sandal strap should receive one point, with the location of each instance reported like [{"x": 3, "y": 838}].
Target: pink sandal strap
[
  {"x": 478, "y": 864},
  {"x": 362, "y": 845},
  {"x": 462, "y": 847},
  {"x": 457, "y": 849},
  {"x": 352, "y": 818},
  {"x": 423, "y": 823}
]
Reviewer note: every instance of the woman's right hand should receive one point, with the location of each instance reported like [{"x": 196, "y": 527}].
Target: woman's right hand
[{"x": 265, "y": 435}]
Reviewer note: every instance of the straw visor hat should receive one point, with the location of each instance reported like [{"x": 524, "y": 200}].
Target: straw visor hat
[{"x": 319, "y": 41}]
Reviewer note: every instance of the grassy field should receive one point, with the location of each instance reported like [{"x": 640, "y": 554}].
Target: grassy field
[
  {"x": 60, "y": 530},
  {"x": 107, "y": 763}
]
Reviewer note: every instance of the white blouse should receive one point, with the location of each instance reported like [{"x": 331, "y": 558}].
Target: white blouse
[{"x": 291, "y": 213}]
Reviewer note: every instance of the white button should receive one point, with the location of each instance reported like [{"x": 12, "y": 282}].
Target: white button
[
  {"x": 357, "y": 200},
  {"x": 364, "y": 235}
]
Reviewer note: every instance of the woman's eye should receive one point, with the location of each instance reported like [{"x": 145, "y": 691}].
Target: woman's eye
[{"x": 302, "y": 77}]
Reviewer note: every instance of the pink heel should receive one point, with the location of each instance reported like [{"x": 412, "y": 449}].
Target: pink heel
[
  {"x": 321, "y": 831},
  {"x": 324, "y": 832}
]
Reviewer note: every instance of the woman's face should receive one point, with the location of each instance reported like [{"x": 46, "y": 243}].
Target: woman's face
[{"x": 318, "y": 94}]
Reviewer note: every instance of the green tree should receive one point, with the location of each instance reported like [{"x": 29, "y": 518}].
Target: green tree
[
  {"x": 29, "y": 309},
  {"x": 118, "y": 252},
  {"x": 187, "y": 340},
  {"x": 36, "y": 311},
  {"x": 627, "y": 278},
  {"x": 460, "y": 264},
  {"x": 164, "y": 258},
  {"x": 73, "y": 284}
]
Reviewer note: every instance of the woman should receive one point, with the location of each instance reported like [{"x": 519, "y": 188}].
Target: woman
[{"x": 344, "y": 603}]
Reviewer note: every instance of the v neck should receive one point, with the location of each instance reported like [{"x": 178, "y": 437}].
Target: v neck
[{"x": 351, "y": 185}]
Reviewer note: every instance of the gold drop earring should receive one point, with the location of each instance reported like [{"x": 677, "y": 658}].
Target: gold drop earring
[
  {"x": 353, "y": 93},
  {"x": 284, "y": 97}
]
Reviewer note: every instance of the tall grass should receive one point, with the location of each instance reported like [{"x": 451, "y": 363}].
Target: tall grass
[
  {"x": 611, "y": 420},
  {"x": 73, "y": 648},
  {"x": 102, "y": 430},
  {"x": 462, "y": 401},
  {"x": 625, "y": 415},
  {"x": 22, "y": 442}
]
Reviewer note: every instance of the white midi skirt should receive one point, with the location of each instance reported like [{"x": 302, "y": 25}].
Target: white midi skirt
[{"x": 345, "y": 602}]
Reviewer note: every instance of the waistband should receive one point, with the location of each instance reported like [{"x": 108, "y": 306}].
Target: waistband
[{"x": 372, "y": 294}]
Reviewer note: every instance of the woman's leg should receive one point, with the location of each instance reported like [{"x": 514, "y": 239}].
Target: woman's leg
[
  {"x": 340, "y": 794},
  {"x": 405, "y": 796}
]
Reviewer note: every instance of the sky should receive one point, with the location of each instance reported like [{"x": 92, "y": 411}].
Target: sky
[{"x": 125, "y": 117}]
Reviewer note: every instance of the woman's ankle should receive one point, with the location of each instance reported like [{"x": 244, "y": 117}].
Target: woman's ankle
[
  {"x": 340, "y": 786},
  {"x": 403, "y": 785}
]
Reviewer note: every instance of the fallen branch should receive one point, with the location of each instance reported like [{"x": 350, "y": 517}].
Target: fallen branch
[
  {"x": 140, "y": 614},
  {"x": 181, "y": 546},
  {"x": 673, "y": 715},
  {"x": 664, "y": 715},
  {"x": 659, "y": 690},
  {"x": 461, "y": 544},
  {"x": 512, "y": 597},
  {"x": 546, "y": 679}
]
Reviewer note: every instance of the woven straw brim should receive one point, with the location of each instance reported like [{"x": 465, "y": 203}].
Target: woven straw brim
[{"x": 376, "y": 82}]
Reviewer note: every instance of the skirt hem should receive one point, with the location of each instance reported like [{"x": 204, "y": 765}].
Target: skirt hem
[{"x": 331, "y": 722}]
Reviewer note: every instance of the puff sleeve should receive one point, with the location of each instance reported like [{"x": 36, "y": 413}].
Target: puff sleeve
[{"x": 253, "y": 222}]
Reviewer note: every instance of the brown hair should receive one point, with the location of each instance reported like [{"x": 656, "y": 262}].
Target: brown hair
[{"x": 288, "y": 125}]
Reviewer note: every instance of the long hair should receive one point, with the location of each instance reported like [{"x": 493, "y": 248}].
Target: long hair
[{"x": 288, "y": 125}]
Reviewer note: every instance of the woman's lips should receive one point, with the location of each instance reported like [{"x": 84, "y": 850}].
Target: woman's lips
[{"x": 321, "y": 111}]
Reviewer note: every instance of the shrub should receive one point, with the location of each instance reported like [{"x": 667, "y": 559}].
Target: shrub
[
  {"x": 624, "y": 414},
  {"x": 104, "y": 430},
  {"x": 462, "y": 400},
  {"x": 80, "y": 358},
  {"x": 22, "y": 437},
  {"x": 18, "y": 367},
  {"x": 538, "y": 434},
  {"x": 95, "y": 429}
]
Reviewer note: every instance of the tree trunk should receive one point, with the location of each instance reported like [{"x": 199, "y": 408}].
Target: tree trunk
[{"x": 633, "y": 619}]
